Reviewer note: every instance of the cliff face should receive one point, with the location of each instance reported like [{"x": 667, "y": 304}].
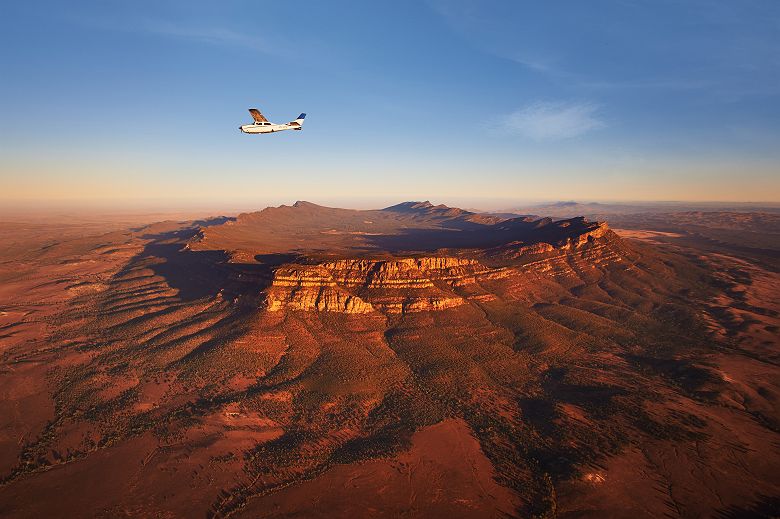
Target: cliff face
[
  {"x": 432, "y": 283},
  {"x": 364, "y": 285}
]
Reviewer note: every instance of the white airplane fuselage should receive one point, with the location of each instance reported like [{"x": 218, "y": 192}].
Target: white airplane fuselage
[{"x": 268, "y": 127}]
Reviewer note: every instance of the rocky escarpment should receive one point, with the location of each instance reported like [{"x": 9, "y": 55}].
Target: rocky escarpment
[
  {"x": 366, "y": 285},
  {"x": 410, "y": 257},
  {"x": 430, "y": 283},
  {"x": 593, "y": 235}
]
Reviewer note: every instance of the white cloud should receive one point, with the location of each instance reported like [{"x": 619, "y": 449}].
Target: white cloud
[{"x": 553, "y": 120}]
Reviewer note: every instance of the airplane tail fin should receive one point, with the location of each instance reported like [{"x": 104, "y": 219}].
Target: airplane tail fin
[{"x": 298, "y": 122}]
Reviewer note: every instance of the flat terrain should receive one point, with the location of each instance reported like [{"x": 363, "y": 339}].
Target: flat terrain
[{"x": 492, "y": 368}]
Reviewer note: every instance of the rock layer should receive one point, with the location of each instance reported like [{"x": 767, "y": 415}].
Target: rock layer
[
  {"x": 364, "y": 285},
  {"x": 429, "y": 283}
]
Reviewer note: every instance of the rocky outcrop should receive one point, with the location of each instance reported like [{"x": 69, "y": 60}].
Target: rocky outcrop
[
  {"x": 364, "y": 285},
  {"x": 601, "y": 230},
  {"x": 433, "y": 283},
  {"x": 593, "y": 235},
  {"x": 410, "y": 257},
  {"x": 405, "y": 272},
  {"x": 321, "y": 299},
  {"x": 311, "y": 287}
]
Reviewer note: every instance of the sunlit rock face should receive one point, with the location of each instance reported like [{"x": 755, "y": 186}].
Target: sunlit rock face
[
  {"x": 311, "y": 287},
  {"x": 427, "y": 283},
  {"x": 361, "y": 285}
]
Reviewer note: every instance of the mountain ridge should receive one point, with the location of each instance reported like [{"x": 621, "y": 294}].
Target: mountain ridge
[
  {"x": 407, "y": 228},
  {"x": 419, "y": 256}
]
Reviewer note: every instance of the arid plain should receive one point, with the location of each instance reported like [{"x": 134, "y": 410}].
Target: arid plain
[{"x": 414, "y": 361}]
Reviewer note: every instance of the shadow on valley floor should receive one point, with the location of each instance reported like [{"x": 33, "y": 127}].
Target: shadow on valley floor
[
  {"x": 195, "y": 274},
  {"x": 153, "y": 228},
  {"x": 204, "y": 274},
  {"x": 268, "y": 261}
]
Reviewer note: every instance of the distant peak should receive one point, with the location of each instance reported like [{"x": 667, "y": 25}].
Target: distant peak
[
  {"x": 416, "y": 207},
  {"x": 409, "y": 206},
  {"x": 304, "y": 203}
]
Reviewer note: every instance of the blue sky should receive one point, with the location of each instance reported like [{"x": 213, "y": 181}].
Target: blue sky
[{"x": 453, "y": 101}]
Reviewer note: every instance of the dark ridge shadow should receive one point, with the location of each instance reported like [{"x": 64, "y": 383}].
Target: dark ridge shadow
[
  {"x": 194, "y": 274},
  {"x": 216, "y": 220},
  {"x": 275, "y": 260},
  {"x": 206, "y": 222},
  {"x": 482, "y": 236},
  {"x": 203, "y": 274}
]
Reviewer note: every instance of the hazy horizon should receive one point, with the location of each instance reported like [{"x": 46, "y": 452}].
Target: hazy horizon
[{"x": 197, "y": 208}]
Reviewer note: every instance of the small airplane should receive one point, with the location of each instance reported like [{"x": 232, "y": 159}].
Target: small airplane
[{"x": 261, "y": 124}]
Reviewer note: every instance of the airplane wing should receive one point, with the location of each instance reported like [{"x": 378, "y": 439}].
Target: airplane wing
[{"x": 257, "y": 116}]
